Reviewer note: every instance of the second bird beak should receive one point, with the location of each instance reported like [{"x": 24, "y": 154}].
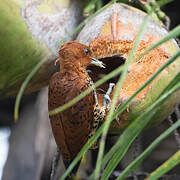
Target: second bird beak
[{"x": 97, "y": 63}]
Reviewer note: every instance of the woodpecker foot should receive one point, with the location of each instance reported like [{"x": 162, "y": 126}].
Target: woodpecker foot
[{"x": 107, "y": 99}]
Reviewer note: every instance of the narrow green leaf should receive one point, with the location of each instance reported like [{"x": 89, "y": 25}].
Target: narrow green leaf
[
  {"x": 22, "y": 88},
  {"x": 116, "y": 94},
  {"x": 165, "y": 167},
  {"x": 125, "y": 141},
  {"x": 165, "y": 65},
  {"x": 172, "y": 83},
  {"x": 132, "y": 131},
  {"x": 164, "y": 2},
  {"x": 143, "y": 155},
  {"x": 83, "y": 150}
]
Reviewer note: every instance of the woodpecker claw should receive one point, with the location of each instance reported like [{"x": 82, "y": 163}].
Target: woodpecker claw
[{"x": 55, "y": 62}]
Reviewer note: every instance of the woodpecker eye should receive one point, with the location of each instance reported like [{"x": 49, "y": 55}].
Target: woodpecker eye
[{"x": 87, "y": 51}]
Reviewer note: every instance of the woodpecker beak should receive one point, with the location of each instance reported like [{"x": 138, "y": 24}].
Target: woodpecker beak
[{"x": 97, "y": 63}]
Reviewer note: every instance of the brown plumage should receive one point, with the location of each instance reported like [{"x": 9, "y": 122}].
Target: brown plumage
[{"x": 72, "y": 127}]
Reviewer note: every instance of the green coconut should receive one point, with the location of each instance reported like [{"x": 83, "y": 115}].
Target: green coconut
[
  {"x": 111, "y": 35},
  {"x": 31, "y": 31}
]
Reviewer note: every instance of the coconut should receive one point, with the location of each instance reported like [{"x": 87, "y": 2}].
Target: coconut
[
  {"x": 111, "y": 35},
  {"x": 32, "y": 31}
]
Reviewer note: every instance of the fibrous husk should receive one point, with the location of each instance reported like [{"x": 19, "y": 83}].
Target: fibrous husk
[{"x": 111, "y": 35}]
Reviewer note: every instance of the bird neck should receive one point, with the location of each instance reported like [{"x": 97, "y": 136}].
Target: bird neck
[{"x": 73, "y": 69}]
